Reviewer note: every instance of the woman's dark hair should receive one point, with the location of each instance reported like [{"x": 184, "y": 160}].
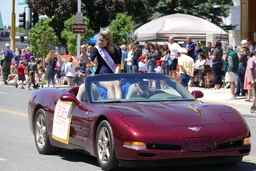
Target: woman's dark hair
[
  {"x": 202, "y": 54},
  {"x": 151, "y": 45},
  {"x": 218, "y": 44}
]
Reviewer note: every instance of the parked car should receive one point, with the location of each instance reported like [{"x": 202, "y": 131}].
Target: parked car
[{"x": 145, "y": 127}]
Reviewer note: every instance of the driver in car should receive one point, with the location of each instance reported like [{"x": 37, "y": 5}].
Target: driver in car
[{"x": 139, "y": 90}]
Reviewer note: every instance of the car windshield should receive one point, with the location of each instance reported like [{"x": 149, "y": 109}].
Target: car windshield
[{"x": 125, "y": 88}]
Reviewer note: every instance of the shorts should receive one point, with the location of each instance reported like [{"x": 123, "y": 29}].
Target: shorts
[
  {"x": 58, "y": 73},
  {"x": 173, "y": 66},
  {"x": 184, "y": 79},
  {"x": 69, "y": 77},
  {"x": 22, "y": 77},
  {"x": 230, "y": 77}
]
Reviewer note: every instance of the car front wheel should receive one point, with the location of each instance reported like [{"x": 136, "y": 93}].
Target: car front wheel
[
  {"x": 41, "y": 134},
  {"x": 105, "y": 146}
]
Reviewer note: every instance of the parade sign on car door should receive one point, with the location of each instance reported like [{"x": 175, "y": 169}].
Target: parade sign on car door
[{"x": 62, "y": 120}]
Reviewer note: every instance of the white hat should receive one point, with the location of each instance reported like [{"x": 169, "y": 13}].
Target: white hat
[
  {"x": 183, "y": 50},
  {"x": 243, "y": 42},
  {"x": 7, "y": 45}
]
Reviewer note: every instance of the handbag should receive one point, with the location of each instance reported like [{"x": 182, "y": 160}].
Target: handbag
[{"x": 168, "y": 62}]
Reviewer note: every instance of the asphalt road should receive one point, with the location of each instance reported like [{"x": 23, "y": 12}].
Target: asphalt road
[{"x": 18, "y": 151}]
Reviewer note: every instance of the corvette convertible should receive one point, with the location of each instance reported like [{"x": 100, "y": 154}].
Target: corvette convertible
[{"x": 152, "y": 121}]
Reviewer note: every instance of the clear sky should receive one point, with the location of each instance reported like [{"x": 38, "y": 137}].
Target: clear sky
[{"x": 6, "y": 11}]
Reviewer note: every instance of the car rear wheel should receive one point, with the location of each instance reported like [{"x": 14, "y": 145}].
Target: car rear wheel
[
  {"x": 41, "y": 134},
  {"x": 105, "y": 146}
]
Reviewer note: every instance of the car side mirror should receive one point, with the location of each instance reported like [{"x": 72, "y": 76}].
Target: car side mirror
[
  {"x": 197, "y": 94},
  {"x": 72, "y": 98}
]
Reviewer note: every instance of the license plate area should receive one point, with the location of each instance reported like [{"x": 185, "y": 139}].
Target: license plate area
[{"x": 199, "y": 144}]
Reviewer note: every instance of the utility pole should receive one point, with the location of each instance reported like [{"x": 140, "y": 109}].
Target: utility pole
[
  {"x": 13, "y": 28},
  {"x": 78, "y": 36}
]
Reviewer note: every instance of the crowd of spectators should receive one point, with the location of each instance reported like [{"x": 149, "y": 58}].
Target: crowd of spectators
[{"x": 213, "y": 66}]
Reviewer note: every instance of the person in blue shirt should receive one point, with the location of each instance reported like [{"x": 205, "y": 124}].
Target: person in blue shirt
[
  {"x": 7, "y": 61},
  {"x": 190, "y": 47},
  {"x": 197, "y": 50}
]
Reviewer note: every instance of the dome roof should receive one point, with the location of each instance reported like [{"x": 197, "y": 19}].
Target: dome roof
[{"x": 180, "y": 26}]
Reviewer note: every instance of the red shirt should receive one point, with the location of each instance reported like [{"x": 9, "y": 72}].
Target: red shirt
[{"x": 21, "y": 70}]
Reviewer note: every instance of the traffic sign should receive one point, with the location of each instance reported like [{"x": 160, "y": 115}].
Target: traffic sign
[
  {"x": 79, "y": 17},
  {"x": 79, "y": 28},
  {"x": 22, "y": 2}
]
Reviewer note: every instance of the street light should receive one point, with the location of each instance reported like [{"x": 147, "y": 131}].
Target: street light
[
  {"x": 34, "y": 17},
  {"x": 22, "y": 20}
]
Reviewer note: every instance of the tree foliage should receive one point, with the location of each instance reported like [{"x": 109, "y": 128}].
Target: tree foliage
[
  {"x": 212, "y": 10},
  {"x": 42, "y": 37},
  {"x": 121, "y": 29},
  {"x": 102, "y": 12},
  {"x": 71, "y": 39}
]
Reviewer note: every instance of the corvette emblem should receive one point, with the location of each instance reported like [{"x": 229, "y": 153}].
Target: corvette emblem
[{"x": 194, "y": 128}]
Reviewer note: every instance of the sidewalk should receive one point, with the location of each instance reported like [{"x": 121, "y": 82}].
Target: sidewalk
[{"x": 221, "y": 96}]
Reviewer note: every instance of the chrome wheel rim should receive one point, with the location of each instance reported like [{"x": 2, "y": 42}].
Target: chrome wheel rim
[
  {"x": 40, "y": 132},
  {"x": 103, "y": 145}
]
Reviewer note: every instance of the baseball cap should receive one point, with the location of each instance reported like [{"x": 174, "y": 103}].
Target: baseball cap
[
  {"x": 142, "y": 57},
  {"x": 7, "y": 45},
  {"x": 159, "y": 61},
  {"x": 243, "y": 41},
  {"x": 249, "y": 40},
  {"x": 229, "y": 47}
]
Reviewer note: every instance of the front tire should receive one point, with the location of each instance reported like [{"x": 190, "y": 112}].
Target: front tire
[
  {"x": 105, "y": 147},
  {"x": 41, "y": 135}
]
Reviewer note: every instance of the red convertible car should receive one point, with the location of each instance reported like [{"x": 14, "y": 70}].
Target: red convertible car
[{"x": 151, "y": 121}]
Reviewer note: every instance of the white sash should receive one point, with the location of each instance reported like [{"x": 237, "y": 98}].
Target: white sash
[{"x": 107, "y": 58}]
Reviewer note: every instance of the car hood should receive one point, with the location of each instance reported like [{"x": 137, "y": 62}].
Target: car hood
[{"x": 177, "y": 113}]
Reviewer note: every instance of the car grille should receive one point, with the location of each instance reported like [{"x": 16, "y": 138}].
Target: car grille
[
  {"x": 232, "y": 144},
  {"x": 164, "y": 147}
]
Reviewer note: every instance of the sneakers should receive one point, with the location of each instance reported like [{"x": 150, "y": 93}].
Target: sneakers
[
  {"x": 16, "y": 85},
  {"x": 22, "y": 88},
  {"x": 232, "y": 97},
  {"x": 252, "y": 109},
  {"x": 28, "y": 88}
]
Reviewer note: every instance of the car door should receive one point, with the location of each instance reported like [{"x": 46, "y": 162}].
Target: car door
[{"x": 77, "y": 126}]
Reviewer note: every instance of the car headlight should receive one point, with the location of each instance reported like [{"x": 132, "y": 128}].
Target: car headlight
[
  {"x": 135, "y": 145},
  {"x": 247, "y": 141}
]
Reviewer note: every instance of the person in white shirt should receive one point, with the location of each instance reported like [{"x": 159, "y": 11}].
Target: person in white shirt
[
  {"x": 174, "y": 48},
  {"x": 70, "y": 71},
  {"x": 158, "y": 69},
  {"x": 142, "y": 65},
  {"x": 129, "y": 59},
  {"x": 200, "y": 61}
]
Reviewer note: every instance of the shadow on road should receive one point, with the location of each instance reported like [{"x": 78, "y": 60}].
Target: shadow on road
[{"x": 74, "y": 156}]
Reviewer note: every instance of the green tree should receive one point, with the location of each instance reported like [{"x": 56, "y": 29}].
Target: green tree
[
  {"x": 42, "y": 37},
  {"x": 212, "y": 10},
  {"x": 121, "y": 29},
  {"x": 100, "y": 12},
  {"x": 71, "y": 39}
]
